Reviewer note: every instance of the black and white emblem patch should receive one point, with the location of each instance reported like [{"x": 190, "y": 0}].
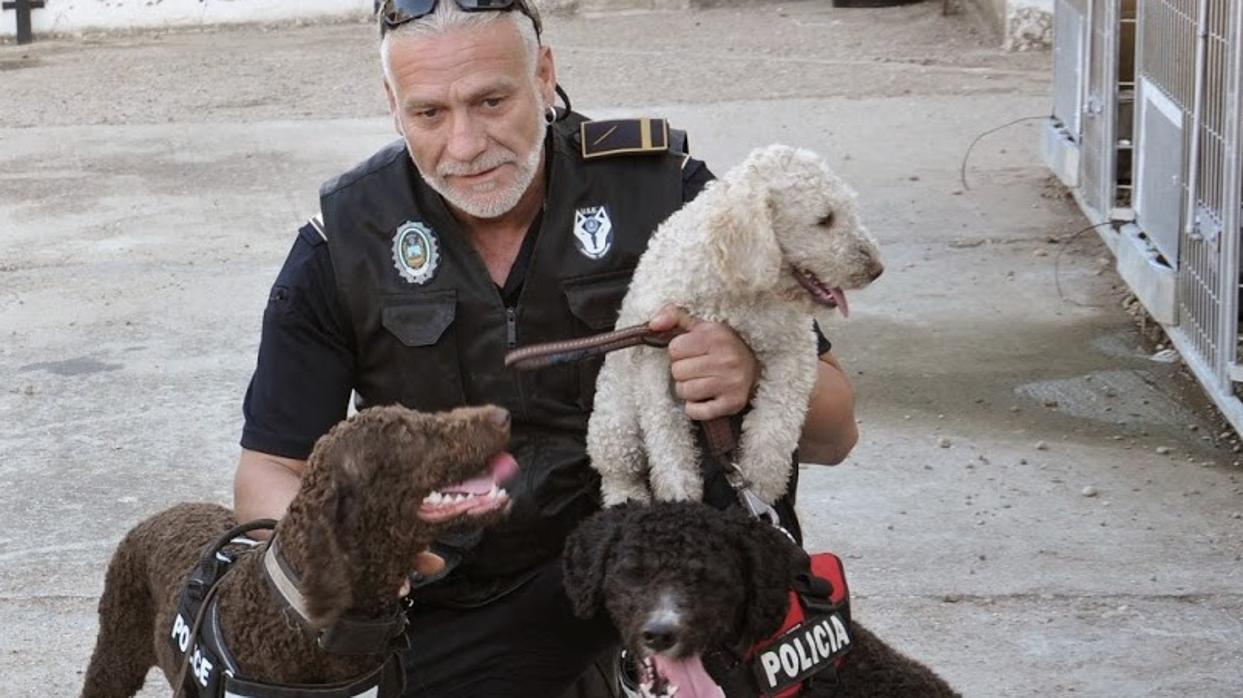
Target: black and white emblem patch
[{"x": 593, "y": 231}]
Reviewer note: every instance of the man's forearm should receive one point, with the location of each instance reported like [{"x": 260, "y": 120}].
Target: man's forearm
[
  {"x": 264, "y": 485},
  {"x": 829, "y": 432}
]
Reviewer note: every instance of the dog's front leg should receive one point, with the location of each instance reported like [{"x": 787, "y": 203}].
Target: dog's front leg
[
  {"x": 613, "y": 439},
  {"x": 771, "y": 430},
  {"x": 668, "y": 434}
]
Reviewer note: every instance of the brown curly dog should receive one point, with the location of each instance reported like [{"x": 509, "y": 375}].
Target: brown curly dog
[
  {"x": 682, "y": 581},
  {"x": 379, "y": 488}
]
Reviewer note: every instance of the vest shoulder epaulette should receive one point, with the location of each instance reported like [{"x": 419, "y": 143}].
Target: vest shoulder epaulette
[{"x": 602, "y": 139}]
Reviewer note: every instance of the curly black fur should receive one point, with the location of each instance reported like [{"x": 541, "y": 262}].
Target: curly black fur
[{"x": 727, "y": 576}]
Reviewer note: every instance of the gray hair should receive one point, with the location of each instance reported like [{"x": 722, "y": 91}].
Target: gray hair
[{"x": 448, "y": 16}]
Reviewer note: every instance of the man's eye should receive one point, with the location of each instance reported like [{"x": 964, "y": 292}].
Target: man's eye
[
  {"x": 493, "y": 102},
  {"x": 427, "y": 113}
]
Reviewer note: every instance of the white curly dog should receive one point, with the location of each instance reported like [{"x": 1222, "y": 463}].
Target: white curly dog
[{"x": 763, "y": 250}]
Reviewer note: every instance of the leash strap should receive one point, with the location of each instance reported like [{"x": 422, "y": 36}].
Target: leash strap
[
  {"x": 206, "y": 591},
  {"x": 536, "y": 356},
  {"x": 718, "y": 433}
]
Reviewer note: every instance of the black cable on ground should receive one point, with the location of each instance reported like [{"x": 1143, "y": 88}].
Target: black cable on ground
[
  {"x": 963, "y": 170},
  {"x": 1058, "y": 258}
]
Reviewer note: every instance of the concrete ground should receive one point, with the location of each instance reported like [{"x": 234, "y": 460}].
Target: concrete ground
[{"x": 1036, "y": 507}]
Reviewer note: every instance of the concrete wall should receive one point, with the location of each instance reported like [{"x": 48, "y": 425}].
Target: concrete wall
[
  {"x": 73, "y": 16},
  {"x": 1029, "y": 24},
  {"x": 1024, "y": 25}
]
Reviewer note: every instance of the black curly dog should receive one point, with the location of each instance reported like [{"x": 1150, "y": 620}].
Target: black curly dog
[{"x": 682, "y": 579}]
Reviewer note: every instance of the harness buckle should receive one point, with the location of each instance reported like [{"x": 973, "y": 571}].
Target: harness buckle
[{"x": 750, "y": 501}]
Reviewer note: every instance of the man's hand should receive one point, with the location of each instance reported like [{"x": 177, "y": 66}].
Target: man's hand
[{"x": 713, "y": 370}]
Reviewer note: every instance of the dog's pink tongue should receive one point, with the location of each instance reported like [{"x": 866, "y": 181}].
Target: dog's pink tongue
[
  {"x": 839, "y": 297},
  {"x": 690, "y": 677},
  {"x": 501, "y": 467}
]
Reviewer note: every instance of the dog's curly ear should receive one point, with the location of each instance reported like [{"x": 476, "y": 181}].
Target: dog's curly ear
[
  {"x": 771, "y": 563},
  {"x": 326, "y": 585},
  {"x": 740, "y": 238},
  {"x": 585, "y": 561}
]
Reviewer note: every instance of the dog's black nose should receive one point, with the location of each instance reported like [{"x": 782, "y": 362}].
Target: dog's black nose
[
  {"x": 875, "y": 269},
  {"x": 659, "y": 636}
]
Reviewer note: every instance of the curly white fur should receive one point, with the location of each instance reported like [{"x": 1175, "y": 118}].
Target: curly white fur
[{"x": 730, "y": 256}]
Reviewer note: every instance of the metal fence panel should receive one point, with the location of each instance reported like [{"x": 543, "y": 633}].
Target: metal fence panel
[
  {"x": 1099, "y": 110},
  {"x": 1068, "y": 28}
]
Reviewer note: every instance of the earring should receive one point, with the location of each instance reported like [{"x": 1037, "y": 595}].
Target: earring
[{"x": 551, "y": 115}]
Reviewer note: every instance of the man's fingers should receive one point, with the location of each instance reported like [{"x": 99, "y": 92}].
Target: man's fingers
[
  {"x": 428, "y": 564},
  {"x": 701, "y": 366},
  {"x": 670, "y": 317},
  {"x": 710, "y": 409},
  {"x": 697, "y": 389}
]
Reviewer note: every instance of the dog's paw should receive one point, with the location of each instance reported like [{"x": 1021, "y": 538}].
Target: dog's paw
[
  {"x": 617, "y": 493},
  {"x": 682, "y": 486}
]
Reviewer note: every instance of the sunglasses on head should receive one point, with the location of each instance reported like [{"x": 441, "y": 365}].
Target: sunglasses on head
[{"x": 394, "y": 13}]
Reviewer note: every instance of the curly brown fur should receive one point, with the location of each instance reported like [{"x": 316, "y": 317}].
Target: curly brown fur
[
  {"x": 352, "y": 534},
  {"x": 681, "y": 579}
]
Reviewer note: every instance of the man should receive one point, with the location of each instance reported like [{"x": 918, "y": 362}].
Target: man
[{"x": 492, "y": 223}]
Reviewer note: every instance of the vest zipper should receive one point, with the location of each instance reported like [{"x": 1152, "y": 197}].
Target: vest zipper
[{"x": 511, "y": 328}]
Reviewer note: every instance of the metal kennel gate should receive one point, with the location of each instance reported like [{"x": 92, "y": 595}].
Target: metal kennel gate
[
  {"x": 1089, "y": 136},
  {"x": 1146, "y": 130}
]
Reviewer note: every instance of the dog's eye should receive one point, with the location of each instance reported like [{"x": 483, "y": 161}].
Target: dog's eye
[{"x": 827, "y": 221}]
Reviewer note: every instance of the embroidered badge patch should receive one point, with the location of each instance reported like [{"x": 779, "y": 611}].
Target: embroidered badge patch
[
  {"x": 416, "y": 252},
  {"x": 594, "y": 231}
]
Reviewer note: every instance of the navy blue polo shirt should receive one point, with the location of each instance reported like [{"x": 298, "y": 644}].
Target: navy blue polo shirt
[{"x": 305, "y": 372}]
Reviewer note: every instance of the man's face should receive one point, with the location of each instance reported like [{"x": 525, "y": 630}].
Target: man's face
[{"x": 471, "y": 111}]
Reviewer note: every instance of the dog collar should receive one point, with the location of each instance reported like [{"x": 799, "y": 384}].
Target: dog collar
[{"x": 350, "y": 634}]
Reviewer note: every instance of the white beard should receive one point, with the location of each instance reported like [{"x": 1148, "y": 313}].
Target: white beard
[{"x": 488, "y": 200}]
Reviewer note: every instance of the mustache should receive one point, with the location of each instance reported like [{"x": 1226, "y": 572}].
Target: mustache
[{"x": 483, "y": 163}]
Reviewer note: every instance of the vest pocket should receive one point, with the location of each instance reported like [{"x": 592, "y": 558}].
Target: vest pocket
[
  {"x": 595, "y": 301},
  {"x": 428, "y": 355}
]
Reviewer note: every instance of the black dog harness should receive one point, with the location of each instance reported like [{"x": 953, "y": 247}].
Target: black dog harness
[{"x": 211, "y": 669}]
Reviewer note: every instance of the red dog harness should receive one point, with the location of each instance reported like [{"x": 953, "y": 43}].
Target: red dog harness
[
  {"x": 815, "y": 635},
  {"x": 810, "y": 646}
]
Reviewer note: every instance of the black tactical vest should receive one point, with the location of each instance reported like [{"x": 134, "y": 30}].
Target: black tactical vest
[{"x": 440, "y": 344}]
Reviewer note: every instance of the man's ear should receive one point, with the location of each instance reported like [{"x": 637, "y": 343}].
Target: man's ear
[{"x": 546, "y": 74}]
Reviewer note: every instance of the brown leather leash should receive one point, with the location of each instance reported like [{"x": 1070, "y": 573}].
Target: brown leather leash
[
  {"x": 568, "y": 351},
  {"x": 718, "y": 432}
]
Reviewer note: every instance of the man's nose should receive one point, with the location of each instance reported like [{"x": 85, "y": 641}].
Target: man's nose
[{"x": 467, "y": 139}]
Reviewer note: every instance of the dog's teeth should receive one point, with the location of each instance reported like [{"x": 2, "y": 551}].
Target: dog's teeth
[
  {"x": 459, "y": 498},
  {"x": 502, "y": 493},
  {"x": 433, "y": 498}
]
